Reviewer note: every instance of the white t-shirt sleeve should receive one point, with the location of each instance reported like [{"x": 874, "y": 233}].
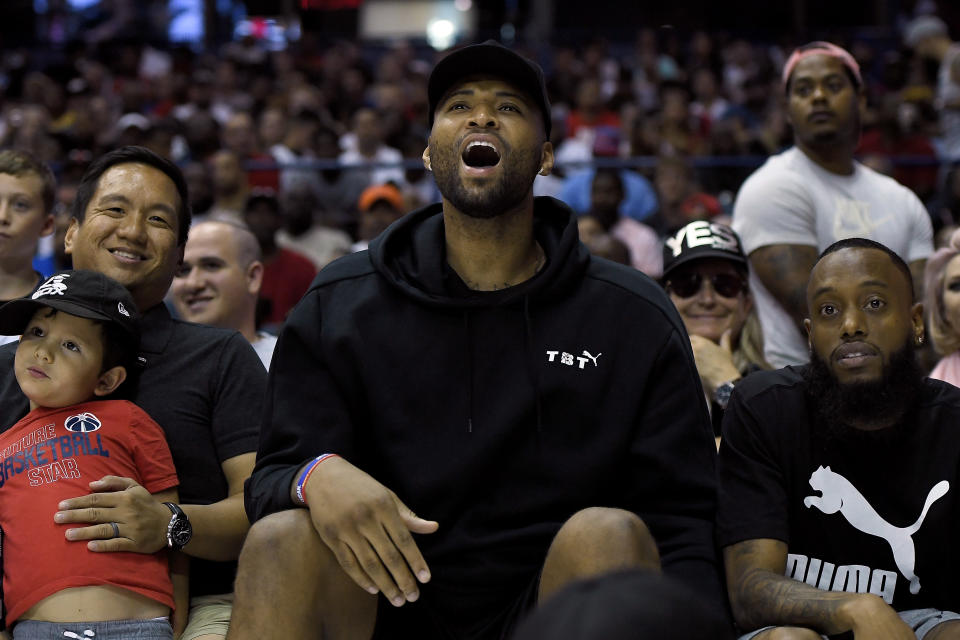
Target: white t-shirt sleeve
[
  {"x": 921, "y": 240},
  {"x": 773, "y": 207}
]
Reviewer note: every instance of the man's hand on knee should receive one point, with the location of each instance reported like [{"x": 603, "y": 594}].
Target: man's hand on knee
[{"x": 368, "y": 529}]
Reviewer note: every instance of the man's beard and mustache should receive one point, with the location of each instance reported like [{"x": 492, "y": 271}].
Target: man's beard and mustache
[
  {"x": 880, "y": 403},
  {"x": 502, "y": 194}
]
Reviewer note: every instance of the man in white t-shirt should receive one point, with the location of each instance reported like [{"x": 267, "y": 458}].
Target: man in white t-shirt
[
  {"x": 364, "y": 145},
  {"x": 806, "y": 198},
  {"x": 219, "y": 281}
]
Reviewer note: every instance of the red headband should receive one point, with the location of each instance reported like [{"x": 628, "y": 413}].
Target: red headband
[{"x": 821, "y": 48}]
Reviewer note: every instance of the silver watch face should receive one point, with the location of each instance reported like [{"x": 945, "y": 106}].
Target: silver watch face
[
  {"x": 181, "y": 533},
  {"x": 722, "y": 394}
]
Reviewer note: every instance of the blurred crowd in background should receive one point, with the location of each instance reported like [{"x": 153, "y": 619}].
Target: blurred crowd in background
[{"x": 681, "y": 117}]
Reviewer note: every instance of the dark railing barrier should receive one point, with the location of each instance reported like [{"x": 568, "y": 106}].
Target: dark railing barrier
[{"x": 633, "y": 162}]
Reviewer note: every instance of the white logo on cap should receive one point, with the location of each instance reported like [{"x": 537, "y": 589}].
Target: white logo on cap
[
  {"x": 53, "y": 286},
  {"x": 122, "y": 309},
  {"x": 701, "y": 233}
]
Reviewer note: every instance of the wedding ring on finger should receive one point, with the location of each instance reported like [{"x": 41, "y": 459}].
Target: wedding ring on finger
[{"x": 116, "y": 530}]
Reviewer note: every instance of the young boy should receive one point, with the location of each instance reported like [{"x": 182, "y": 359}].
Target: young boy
[
  {"x": 79, "y": 338},
  {"x": 27, "y": 189}
]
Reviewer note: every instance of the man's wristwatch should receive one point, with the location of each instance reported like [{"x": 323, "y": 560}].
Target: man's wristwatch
[
  {"x": 722, "y": 393},
  {"x": 179, "y": 531}
]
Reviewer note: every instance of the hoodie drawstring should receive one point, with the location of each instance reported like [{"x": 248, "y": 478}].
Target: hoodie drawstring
[
  {"x": 469, "y": 350},
  {"x": 530, "y": 359},
  {"x": 532, "y": 371}
]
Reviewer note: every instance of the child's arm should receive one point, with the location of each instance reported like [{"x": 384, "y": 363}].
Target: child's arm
[{"x": 179, "y": 575}]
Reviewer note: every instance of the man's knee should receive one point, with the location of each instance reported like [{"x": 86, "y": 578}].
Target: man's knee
[
  {"x": 788, "y": 633},
  {"x": 949, "y": 630},
  {"x": 595, "y": 541},
  {"x": 289, "y": 584},
  {"x": 605, "y": 528},
  {"x": 605, "y": 537},
  {"x": 285, "y": 539},
  {"x": 604, "y": 520}
]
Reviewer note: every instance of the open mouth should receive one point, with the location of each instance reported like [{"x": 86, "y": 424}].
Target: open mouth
[{"x": 481, "y": 154}]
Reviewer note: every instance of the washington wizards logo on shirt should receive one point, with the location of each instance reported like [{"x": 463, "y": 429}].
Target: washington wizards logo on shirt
[{"x": 82, "y": 423}]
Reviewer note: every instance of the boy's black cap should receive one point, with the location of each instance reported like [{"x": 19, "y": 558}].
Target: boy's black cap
[
  {"x": 83, "y": 293},
  {"x": 494, "y": 59},
  {"x": 702, "y": 239}
]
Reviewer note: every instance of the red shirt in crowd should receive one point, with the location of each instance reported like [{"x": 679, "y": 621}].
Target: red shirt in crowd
[{"x": 286, "y": 277}]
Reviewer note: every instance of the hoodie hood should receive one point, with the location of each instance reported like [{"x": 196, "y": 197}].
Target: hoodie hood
[{"x": 411, "y": 255}]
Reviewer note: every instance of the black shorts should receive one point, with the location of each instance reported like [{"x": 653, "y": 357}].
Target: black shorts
[{"x": 454, "y": 614}]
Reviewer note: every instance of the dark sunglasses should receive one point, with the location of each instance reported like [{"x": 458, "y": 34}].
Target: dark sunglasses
[{"x": 686, "y": 285}]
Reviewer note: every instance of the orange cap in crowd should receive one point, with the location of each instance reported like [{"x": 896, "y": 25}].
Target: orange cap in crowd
[{"x": 377, "y": 192}]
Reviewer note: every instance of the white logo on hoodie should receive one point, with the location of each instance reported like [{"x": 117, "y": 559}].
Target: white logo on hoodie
[{"x": 570, "y": 360}]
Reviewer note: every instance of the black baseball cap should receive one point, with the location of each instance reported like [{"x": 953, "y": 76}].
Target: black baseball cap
[
  {"x": 494, "y": 59},
  {"x": 83, "y": 293},
  {"x": 702, "y": 239}
]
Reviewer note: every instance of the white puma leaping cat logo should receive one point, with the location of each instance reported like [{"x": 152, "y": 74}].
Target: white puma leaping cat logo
[{"x": 840, "y": 495}]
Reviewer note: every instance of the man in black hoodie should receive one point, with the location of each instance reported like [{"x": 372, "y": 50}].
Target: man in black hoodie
[{"x": 478, "y": 367}]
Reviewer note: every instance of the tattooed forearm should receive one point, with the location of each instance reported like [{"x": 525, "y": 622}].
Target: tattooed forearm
[
  {"x": 761, "y": 595},
  {"x": 784, "y": 270},
  {"x": 764, "y": 598}
]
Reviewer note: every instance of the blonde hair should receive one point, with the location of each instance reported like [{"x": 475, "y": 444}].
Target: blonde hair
[
  {"x": 749, "y": 349},
  {"x": 945, "y": 337}
]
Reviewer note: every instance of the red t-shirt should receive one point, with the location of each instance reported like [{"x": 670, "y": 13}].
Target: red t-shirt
[
  {"x": 266, "y": 176},
  {"x": 51, "y": 455},
  {"x": 285, "y": 279}
]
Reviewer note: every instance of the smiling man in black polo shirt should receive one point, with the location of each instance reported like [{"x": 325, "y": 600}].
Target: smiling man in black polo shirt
[{"x": 203, "y": 385}]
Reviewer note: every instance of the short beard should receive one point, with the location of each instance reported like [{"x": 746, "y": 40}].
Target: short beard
[
  {"x": 881, "y": 403},
  {"x": 505, "y": 194},
  {"x": 839, "y": 137}
]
